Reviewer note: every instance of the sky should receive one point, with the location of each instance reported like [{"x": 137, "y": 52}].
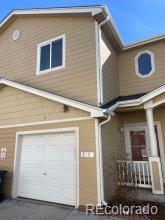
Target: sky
[{"x": 135, "y": 19}]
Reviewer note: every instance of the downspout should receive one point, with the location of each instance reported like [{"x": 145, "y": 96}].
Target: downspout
[
  {"x": 100, "y": 64},
  {"x": 101, "y": 158}
]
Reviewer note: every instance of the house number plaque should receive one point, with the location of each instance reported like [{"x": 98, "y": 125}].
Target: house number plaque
[{"x": 87, "y": 154}]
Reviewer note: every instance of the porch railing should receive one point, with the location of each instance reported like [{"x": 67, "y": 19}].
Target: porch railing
[{"x": 134, "y": 173}]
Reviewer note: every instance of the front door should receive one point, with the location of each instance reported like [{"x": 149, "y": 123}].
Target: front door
[{"x": 137, "y": 143}]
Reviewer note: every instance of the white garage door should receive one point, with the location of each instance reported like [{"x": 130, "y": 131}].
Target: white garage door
[{"x": 47, "y": 168}]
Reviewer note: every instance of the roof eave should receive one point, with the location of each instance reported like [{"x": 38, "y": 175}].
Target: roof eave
[
  {"x": 144, "y": 42},
  {"x": 94, "y": 111},
  {"x": 93, "y": 10},
  {"x": 70, "y": 10},
  {"x": 139, "y": 101}
]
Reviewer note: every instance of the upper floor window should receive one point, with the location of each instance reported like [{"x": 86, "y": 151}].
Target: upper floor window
[
  {"x": 51, "y": 55},
  {"x": 144, "y": 63}
]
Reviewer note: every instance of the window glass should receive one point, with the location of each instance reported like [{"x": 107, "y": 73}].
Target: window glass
[
  {"x": 50, "y": 55},
  {"x": 45, "y": 57},
  {"x": 144, "y": 64},
  {"x": 56, "y": 53}
]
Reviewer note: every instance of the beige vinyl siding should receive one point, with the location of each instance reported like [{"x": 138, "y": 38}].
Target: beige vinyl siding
[
  {"x": 17, "y": 106},
  {"x": 113, "y": 149},
  {"x": 87, "y": 168},
  {"x": 18, "y": 58},
  {"x": 110, "y": 71},
  {"x": 130, "y": 83}
]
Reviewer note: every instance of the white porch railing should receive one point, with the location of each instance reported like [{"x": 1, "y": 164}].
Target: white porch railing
[{"x": 134, "y": 173}]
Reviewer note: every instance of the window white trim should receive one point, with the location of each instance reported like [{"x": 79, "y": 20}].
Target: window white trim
[
  {"x": 38, "y": 72},
  {"x": 152, "y": 64}
]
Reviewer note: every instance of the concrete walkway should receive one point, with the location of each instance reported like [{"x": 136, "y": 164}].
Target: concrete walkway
[{"x": 27, "y": 210}]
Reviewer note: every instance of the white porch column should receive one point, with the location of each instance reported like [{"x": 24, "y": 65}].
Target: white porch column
[
  {"x": 151, "y": 133},
  {"x": 154, "y": 159}
]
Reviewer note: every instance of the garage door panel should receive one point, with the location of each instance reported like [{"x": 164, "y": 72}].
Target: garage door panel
[
  {"x": 67, "y": 176},
  {"x": 47, "y": 167},
  {"x": 36, "y": 181},
  {"x": 68, "y": 156},
  {"x": 31, "y": 173},
  {"x": 68, "y": 143},
  {"x": 33, "y": 189},
  {"x": 55, "y": 196},
  {"x": 54, "y": 156},
  {"x": 52, "y": 173},
  {"x": 52, "y": 147},
  {"x": 67, "y": 194},
  {"x": 66, "y": 165},
  {"x": 33, "y": 156}
]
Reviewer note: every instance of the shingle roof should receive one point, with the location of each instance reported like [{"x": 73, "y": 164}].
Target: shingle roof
[{"x": 122, "y": 98}]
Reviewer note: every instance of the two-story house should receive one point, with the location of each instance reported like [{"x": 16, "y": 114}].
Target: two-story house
[{"x": 74, "y": 101}]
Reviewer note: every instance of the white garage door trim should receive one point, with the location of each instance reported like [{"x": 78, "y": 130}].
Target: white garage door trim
[{"x": 17, "y": 157}]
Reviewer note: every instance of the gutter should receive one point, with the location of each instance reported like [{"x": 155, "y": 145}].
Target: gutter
[
  {"x": 100, "y": 153},
  {"x": 136, "y": 102},
  {"x": 100, "y": 65},
  {"x": 113, "y": 26}
]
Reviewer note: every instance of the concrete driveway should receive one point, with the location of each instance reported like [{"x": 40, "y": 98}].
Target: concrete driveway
[{"x": 28, "y": 210}]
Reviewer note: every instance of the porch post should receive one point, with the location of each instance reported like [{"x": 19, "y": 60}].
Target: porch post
[
  {"x": 154, "y": 159},
  {"x": 151, "y": 133}
]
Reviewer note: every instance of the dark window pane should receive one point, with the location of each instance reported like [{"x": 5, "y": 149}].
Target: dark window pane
[
  {"x": 144, "y": 64},
  {"x": 56, "y": 53},
  {"x": 45, "y": 57}
]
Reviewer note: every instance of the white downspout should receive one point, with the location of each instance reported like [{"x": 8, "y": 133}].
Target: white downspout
[
  {"x": 101, "y": 159},
  {"x": 100, "y": 64}
]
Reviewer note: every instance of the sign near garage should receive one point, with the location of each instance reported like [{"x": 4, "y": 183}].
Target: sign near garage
[
  {"x": 3, "y": 153},
  {"x": 87, "y": 154}
]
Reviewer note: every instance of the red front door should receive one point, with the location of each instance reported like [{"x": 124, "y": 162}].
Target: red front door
[{"x": 139, "y": 143}]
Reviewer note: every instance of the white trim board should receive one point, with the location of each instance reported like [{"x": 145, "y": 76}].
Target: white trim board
[
  {"x": 45, "y": 122},
  {"x": 95, "y": 111},
  {"x": 144, "y": 42},
  {"x": 98, "y": 171},
  {"x": 67, "y": 10},
  {"x": 17, "y": 156}
]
